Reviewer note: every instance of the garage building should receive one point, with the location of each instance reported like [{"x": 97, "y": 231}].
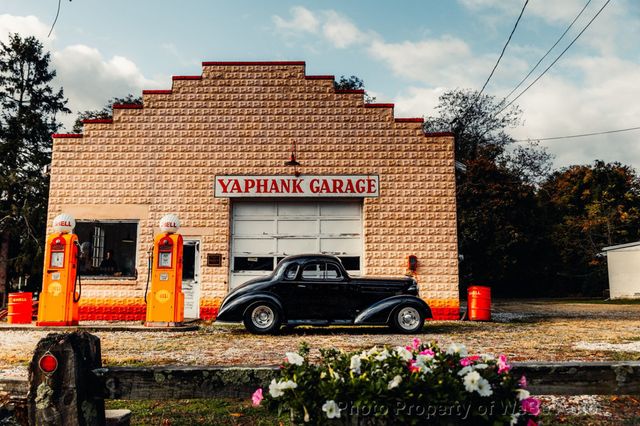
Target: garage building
[{"x": 259, "y": 161}]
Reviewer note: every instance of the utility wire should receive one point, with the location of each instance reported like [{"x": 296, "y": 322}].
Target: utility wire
[
  {"x": 466, "y": 111},
  {"x": 55, "y": 20},
  {"x": 556, "y": 60},
  {"x": 548, "y": 51},
  {"x": 581, "y": 135}
]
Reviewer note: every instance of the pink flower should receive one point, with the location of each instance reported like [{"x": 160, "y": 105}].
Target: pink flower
[
  {"x": 427, "y": 352},
  {"x": 531, "y": 406},
  {"x": 523, "y": 382},
  {"x": 503, "y": 367},
  {"x": 413, "y": 367},
  {"x": 531, "y": 423},
  {"x": 465, "y": 362},
  {"x": 416, "y": 343},
  {"x": 257, "y": 397}
]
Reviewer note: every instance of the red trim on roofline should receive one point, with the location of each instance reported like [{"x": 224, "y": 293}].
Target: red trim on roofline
[
  {"x": 66, "y": 135},
  {"x": 354, "y": 91},
  {"x": 98, "y": 121},
  {"x": 320, "y": 77},
  {"x": 439, "y": 134},
  {"x": 127, "y": 106},
  {"x": 157, "y": 92},
  {"x": 410, "y": 120},
  {"x": 379, "y": 105},
  {"x": 186, "y": 77},
  {"x": 250, "y": 63}
]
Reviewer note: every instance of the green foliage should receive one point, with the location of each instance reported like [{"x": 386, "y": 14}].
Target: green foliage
[
  {"x": 353, "y": 83},
  {"x": 588, "y": 208},
  {"x": 417, "y": 384},
  {"x": 105, "y": 112},
  {"x": 30, "y": 106}
]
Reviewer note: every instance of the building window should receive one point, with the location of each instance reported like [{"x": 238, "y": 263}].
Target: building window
[{"x": 107, "y": 248}]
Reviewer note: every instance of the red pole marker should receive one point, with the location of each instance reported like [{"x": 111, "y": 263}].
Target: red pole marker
[{"x": 48, "y": 363}]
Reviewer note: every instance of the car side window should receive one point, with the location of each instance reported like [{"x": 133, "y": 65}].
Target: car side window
[
  {"x": 332, "y": 272},
  {"x": 312, "y": 271},
  {"x": 291, "y": 272}
]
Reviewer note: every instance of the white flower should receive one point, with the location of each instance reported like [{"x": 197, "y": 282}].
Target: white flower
[
  {"x": 277, "y": 389},
  {"x": 332, "y": 410},
  {"x": 274, "y": 389},
  {"x": 471, "y": 381},
  {"x": 481, "y": 366},
  {"x": 465, "y": 370},
  {"x": 424, "y": 359},
  {"x": 484, "y": 388},
  {"x": 522, "y": 394},
  {"x": 456, "y": 348},
  {"x": 382, "y": 355},
  {"x": 487, "y": 357},
  {"x": 404, "y": 353},
  {"x": 514, "y": 419},
  {"x": 294, "y": 358},
  {"x": 355, "y": 364},
  {"x": 395, "y": 382}
]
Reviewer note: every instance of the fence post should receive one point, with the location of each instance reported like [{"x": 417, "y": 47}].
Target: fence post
[{"x": 67, "y": 395}]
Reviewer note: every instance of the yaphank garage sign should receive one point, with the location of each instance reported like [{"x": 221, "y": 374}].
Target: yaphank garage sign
[{"x": 291, "y": 186}]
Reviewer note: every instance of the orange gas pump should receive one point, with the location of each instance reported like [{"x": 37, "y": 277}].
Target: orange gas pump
[
  {"x": 165, "y": 300},
  {"x": 58, "y": 303}
]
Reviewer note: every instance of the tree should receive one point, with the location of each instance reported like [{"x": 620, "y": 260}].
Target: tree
[
  {"x": 27, "y": 120},
  {"x": 105, "y": 112},
  {"x": 495, "y": 195},
  {"x": 590, "y": 207},
  {"x": 353, "y": 83}
]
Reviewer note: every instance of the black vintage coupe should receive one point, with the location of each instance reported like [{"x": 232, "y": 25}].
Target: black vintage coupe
[{"x": 316, "y": 290}]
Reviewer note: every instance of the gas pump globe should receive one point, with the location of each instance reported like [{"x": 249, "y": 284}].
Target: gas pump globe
[
  {"x": 58, "y": 305},
  {"x": 165, "y": 300}
]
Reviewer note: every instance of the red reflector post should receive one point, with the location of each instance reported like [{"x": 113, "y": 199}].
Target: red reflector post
[{"x": 48, "y": 363}]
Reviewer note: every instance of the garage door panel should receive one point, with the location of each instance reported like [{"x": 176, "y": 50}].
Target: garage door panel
[
  {"x": 253, "y": 227},
  {"x": 342, "y": 209},
  {"x": 298, "y": 227},
  {"x": 291, "y": 246},
  {"x": 297, "y": 209},
  {"x": 245, "y": 246},
  {"x": 340, "y": 245},
  {"x": 254, "y": 209},
  {"x": 338, "y": 227}
]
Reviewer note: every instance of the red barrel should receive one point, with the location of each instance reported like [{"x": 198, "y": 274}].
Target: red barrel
[
  {"x": 479, "y": 303},
  {"x": 20, "y": 308}
]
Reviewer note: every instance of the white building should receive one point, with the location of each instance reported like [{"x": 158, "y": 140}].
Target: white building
[{"x": 624, "y": 270}]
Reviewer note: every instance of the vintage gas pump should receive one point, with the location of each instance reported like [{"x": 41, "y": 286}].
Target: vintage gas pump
[
  {"x": 58, "y": 304},
  {"x": 165, "y": 300}
]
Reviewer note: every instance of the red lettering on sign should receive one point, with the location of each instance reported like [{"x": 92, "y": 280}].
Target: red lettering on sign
[
  {"x": 225, "y": 186},
  {"x": 297, "y": 189},
  {"x": 274, "y": 187},
  {"x": 350, "y": 189},
  {"x": 249, "y": 184},
  {"x": 371, "y": 186},
  {"x": 337, "y": 185},
  {"x": 236, "y": 186},
  {"x": 313, "y": 186}
]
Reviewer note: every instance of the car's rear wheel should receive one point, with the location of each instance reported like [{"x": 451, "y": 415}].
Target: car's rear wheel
[
  {"x": 407, "y": 319},
  {"x": 262, "y": 318}
]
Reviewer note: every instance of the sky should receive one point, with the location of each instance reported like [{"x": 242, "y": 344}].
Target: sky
[{"x": 406, "y": 52}]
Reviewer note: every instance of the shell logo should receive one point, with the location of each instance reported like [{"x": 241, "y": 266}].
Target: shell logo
[
  {"x": 163, "y": 296},
  {"x": 54, "y": 289},
  {"x": 170, "y": 223},
  {"x": 64, "y": 223}
]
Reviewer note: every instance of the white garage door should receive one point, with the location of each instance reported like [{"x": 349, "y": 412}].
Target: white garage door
[{"x": 262, "y": 233}]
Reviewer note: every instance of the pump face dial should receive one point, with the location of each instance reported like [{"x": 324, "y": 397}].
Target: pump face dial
[
  {"x": 57, "y": 259},
  {"x": 164, "y": 260}
]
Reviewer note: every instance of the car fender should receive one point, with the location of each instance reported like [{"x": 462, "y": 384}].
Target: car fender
[
  {"x": 380, "y": 312},
  {"x": 234, "y": 310}
]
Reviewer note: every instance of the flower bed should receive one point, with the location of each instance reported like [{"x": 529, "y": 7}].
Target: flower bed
[{"x": 417, "y": 384}]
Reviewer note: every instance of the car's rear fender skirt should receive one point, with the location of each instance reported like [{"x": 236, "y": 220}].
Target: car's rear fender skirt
[
  {"x": 234, "y": 310},
  {"x": 380, "y": 312}
]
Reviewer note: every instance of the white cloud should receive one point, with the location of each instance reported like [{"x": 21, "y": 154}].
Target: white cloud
[
  {"x": 89, "y": 80},
  {"x": 25, "y": 26},
  {"x": 302, "y": 20},
  {"x": 341, "y": 31}
]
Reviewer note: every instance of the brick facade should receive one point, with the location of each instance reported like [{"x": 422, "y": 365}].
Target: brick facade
[{"x": 241, "y": 118}]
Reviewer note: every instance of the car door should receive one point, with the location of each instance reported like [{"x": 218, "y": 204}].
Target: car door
[{"x": 327, "y": 291}]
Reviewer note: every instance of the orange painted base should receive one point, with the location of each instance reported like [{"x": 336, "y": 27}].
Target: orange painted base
[{"x": 56, "y": 323}]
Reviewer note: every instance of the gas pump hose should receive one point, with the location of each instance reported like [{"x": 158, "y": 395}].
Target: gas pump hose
[
  {"x": 78, "y": 282},
  {"x": 146, "y": 290}
]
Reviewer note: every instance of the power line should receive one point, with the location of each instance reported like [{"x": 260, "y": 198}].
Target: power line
[
  {"x": 556, "y": 60},
  {"x": 55, "y": 20},
  {"x": 504, "y": 48},
  {"x": 581, "y": 135},
  {"x": 548, "y": 51}
]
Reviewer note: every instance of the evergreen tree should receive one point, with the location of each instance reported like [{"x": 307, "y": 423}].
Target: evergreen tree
[{"x": 28, "y": 118}]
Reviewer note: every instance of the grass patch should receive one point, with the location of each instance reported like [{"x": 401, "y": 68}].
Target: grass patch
[
  {"x": 596, "y": 301},
  {"x": 188, "y": 412}
]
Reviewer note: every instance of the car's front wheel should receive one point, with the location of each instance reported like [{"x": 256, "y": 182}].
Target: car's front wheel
[
  {"x": 262, "y": 318},
  {"x": 407, "y": 319}
]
